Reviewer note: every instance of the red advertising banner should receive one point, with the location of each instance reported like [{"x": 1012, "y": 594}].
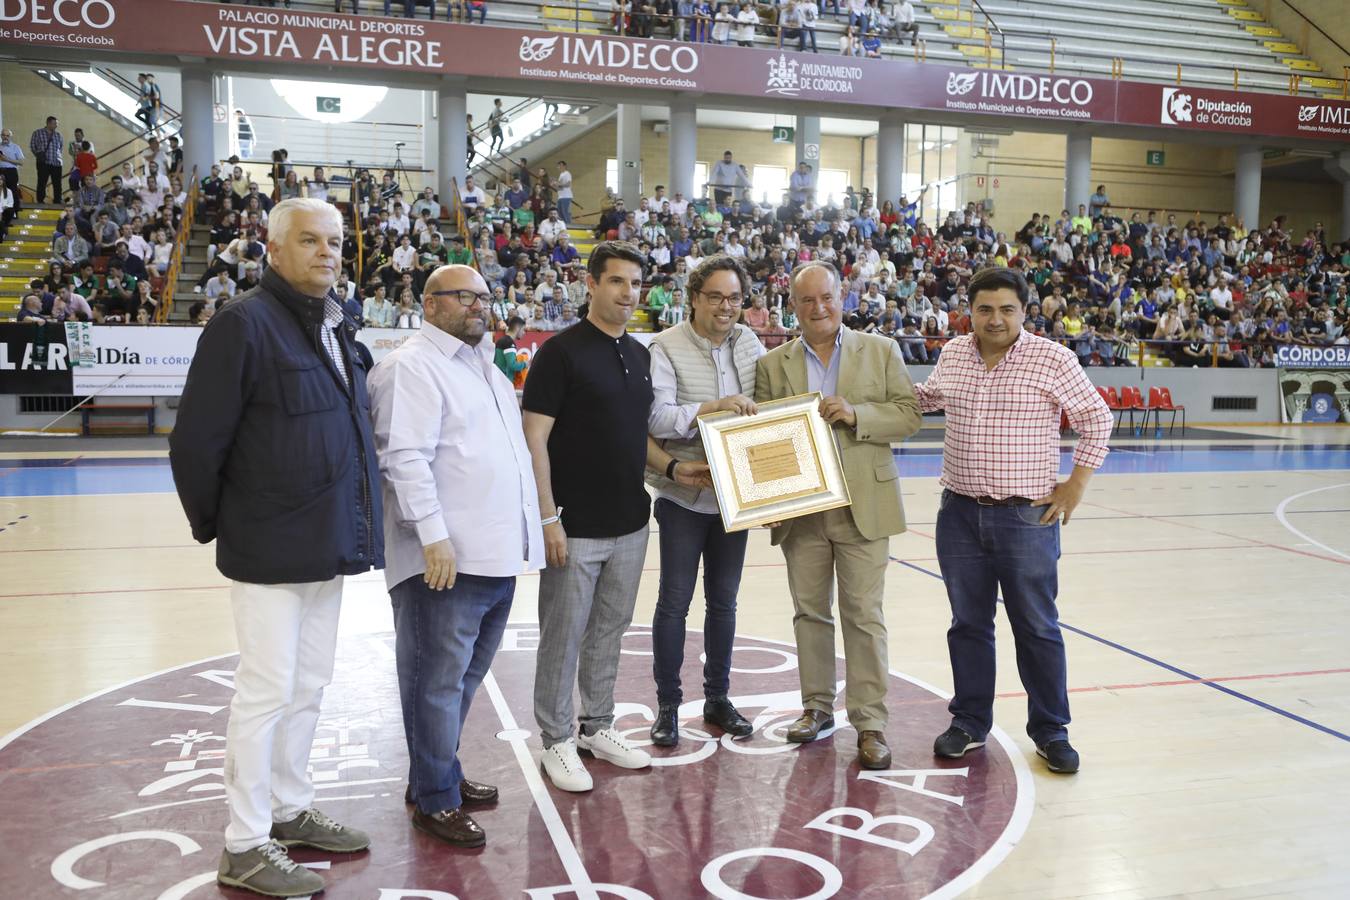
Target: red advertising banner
[{"x": 233, "y": 32}]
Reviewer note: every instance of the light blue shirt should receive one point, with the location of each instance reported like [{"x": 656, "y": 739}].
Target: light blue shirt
[{"x": 819, "y": 377}]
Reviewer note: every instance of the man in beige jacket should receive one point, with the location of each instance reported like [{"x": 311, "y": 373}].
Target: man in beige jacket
[{"x": 869, "y": 400}]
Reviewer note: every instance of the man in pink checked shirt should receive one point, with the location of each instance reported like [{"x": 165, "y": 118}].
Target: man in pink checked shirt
[{"x": 998, "y": 526}]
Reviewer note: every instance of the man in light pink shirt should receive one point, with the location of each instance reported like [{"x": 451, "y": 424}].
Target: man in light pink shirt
[{"x": 1003, "y": 390}]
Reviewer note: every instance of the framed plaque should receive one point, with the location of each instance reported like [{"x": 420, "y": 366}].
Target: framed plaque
[{"x": 776, "y": 465}]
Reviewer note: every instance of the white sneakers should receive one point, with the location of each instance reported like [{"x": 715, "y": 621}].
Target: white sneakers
[
  {"x": 611, "y": 746},
  {"x": 565, "y": 769}
]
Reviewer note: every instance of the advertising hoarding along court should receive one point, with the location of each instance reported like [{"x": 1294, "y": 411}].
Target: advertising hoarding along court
[{"x": 218, "y": 31}]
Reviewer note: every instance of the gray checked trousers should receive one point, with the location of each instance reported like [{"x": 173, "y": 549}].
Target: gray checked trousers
[{"x": 584, "y": 609}]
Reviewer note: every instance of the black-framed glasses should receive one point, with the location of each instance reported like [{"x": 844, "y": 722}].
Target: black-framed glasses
[
  {"x": 464, "y": 298},
  {"x": 735, "y": 301}
]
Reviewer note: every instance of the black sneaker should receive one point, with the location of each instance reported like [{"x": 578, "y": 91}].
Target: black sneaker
[
  {"x": 955, "y": 743},
  {"x": 666, "y": 728},
  {"x": 1059, "y": 757}
]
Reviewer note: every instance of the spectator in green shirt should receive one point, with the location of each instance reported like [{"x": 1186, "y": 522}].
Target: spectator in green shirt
[
  {"x": 459, "y": 254},
  {"x": 505, "y": 355},
  {"x": 659, "y": 297}
]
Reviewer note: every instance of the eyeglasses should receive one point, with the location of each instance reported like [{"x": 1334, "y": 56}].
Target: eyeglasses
[
  {"x": 464, "y": 298},
  {"x": 735, "y": 301}
]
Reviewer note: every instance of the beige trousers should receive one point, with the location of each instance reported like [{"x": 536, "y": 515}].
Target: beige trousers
[{"x": 818, "y": 548}]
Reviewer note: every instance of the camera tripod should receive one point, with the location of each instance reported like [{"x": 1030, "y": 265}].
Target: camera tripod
[{"x": 401, "y": 176}]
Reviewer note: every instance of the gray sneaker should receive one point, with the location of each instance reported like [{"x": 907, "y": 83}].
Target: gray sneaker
[
  {"x": 314, "y": 829},
  {"x": 267, "y": 870}
]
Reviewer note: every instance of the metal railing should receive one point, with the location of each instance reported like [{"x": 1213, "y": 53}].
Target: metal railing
[
  {"x": 461, "y": 221},
  {"x": 180, "y": 246},
  {"x": 359, "y": 231},
  {"x": 989, "y": 23},
  {"x": 106, "y": 171},
  {"x": 307, "y": 138}
]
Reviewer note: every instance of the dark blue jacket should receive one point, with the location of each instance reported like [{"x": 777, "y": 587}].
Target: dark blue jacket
[{"x": 272, "y": 456}]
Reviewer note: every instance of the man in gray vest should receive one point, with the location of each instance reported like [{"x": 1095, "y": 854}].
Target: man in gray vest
[{"x": 705, "y": 364}]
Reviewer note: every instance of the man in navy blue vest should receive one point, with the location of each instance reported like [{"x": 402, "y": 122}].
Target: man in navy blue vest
[{"x": 273, "y": 457}]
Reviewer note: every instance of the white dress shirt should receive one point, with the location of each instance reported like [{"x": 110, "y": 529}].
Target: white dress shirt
[{"x": 453, "y": 459}]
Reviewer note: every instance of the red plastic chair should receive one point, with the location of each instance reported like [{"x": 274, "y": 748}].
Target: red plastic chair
[
  {"x": 1134, "y": 401},
  {"x": 1119, "y": 409},
  {"x": 1161, "y": 401}
]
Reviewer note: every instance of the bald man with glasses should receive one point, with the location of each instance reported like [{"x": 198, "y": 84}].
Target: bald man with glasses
[{"x": 463, "y": 521}]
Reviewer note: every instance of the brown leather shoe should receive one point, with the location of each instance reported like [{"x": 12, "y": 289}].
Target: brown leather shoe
[
  {"x": 873, "y": 753},
  {"x": 809, "y": 725},
  {"x": 454, "y": 826},
  {"x": 472, "y": 793}
]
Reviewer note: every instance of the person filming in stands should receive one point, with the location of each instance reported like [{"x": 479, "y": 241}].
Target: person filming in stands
[
  {"x": 273, "y": 457},
  {"x": 1003, "y": 390}
]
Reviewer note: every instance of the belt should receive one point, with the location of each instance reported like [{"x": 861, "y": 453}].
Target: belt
[{"x": 1006, "y": 501}]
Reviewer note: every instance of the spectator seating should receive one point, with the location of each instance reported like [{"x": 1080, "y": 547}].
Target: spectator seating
[
  {"x": 1160, "y": 399},
  {"x": 24, "y": 254},
  {"x": 1208, "y": 38}
]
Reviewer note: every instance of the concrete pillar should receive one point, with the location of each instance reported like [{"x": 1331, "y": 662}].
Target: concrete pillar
[
  {"x": 431, "y": 135},
  {"x": 1247, "y": 187},
  {"x": 890, "y": 158},
  {"x": 1345, "y": 208},
  {"x": 1338, "y": 167},
  {"x": 198, "y": 128},
  {"x": 807, "y": 138},
  {"x": 629, "y": 153},
  {"x": 1077, "y": 171},
  {"x": 683, "y": 148},
  {"x": 452, "y": 107}
]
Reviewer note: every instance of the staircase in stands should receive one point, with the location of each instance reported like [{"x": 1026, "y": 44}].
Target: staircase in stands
[{"x": 25, "y": 254}]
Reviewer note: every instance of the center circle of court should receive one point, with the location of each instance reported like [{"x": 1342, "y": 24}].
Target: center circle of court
[{"x": 127, "y": 785}]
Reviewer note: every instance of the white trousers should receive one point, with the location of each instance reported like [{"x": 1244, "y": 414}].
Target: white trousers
[{"x": 287, "y": 636}]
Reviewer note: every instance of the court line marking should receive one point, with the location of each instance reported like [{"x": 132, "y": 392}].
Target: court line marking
[
  {"x": 1253, "y": 541},
  {"x": 577, "y": 875},
  {"x": 1023, "y": 805},
  {"x": 130, "y": 590},
  {"x": 29, "y": 726},
  {"x": 1189, "y": 676},
  {"x": 1283, "y": 520}
]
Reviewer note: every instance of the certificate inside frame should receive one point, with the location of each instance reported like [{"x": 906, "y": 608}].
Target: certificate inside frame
[{"x": 789, "y": 446}]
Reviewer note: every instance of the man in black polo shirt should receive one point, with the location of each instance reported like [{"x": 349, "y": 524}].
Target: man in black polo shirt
[{"x": 586, "y": 403}]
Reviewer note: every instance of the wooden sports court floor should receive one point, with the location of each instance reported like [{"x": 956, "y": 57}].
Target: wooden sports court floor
[{"x": 1205, "y": 596}]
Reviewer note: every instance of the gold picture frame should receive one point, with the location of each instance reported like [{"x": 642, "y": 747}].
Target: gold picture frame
[{"x": 776, "y": 465}]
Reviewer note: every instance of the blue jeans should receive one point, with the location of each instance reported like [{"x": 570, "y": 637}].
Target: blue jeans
[
  {"x": 445, "y": 641},
  {"x": 565, "y": 209},
  {"x": 686, "y": 536},
  {"x": 980, "y": 550}
]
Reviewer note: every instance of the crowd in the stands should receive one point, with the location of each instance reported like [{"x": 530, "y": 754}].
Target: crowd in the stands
[
  {"x": 113, "y": 242},
  {"x": 1199, "y": 292}
]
